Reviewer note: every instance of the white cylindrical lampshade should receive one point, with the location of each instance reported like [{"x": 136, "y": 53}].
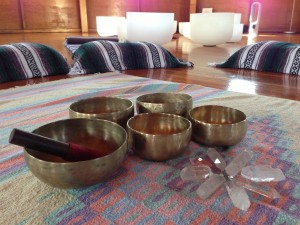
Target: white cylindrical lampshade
[
  {"x": 210, "y": 29},
  {"x": 108, "y": 25},
  {"x": 151, "y": 27}
]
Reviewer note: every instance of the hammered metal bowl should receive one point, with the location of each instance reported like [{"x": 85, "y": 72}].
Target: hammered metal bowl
[
  {"x": 114, "y": 109},
  {"x": 105, "y": 136},
  {"x": 158, "y": 136},
  {"x": 215, "y": 125},
  {"x": 169, "y": 102}
]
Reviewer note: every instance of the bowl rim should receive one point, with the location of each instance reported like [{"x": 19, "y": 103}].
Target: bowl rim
[
  {"x": 213, "y": 124},
  {"x": 80, "y": 101},
  {"x": 139, "y": 99},
  {"x": 160, "y": 135},
  {"x": 83, "y": 161}
]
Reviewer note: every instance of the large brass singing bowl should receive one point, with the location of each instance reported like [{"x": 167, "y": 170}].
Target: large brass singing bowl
[
  {"x": 158, "y": 136},
  {"x": 114, "y": 109},
  {"x": 168, "y": 102},
  {"x": 105, "y": 136},
  {"x": 215, "y": 125}
]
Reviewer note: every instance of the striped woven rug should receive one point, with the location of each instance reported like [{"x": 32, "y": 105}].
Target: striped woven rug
[{"x": 144, "y": 192}]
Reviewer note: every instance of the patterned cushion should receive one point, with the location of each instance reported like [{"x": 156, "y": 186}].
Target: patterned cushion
[
  {"x": 71, "y": 40},
  {"x": 21, "y": 61},
  {"x": 105, "y": 56},
  {"x": 72, "y": 43},
  {"x": 272, "y": 56}
]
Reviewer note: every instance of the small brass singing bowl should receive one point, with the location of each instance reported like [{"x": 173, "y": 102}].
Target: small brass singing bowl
[
  {"x": 158, "y": 136},
  {"x": 114, "y": 109},
  {"x": 168, "y": 102},
  {"x": 101, "y": 135},
  {"x": 217, "y": 126}
]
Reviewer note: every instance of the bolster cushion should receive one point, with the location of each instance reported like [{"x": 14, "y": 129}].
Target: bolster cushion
[
  {"x": 72, "y": 43},
  {"x": 271, "y": 56},
  {"x": 107, "y": 56},
  {"x": 21, "y": 61}
]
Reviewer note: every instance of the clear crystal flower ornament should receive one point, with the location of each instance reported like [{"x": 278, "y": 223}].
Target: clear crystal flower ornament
[{"x": 199, "y": 171}]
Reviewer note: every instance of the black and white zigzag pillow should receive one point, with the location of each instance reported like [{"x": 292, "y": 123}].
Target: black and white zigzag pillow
[
  {"x": 270, "y": 56},
  {"x": 106, "y": 56},
  {"x": 21, "y": 61}
]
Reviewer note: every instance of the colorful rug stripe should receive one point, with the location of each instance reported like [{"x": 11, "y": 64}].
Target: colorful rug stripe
[{"x": 144, "y": 192}]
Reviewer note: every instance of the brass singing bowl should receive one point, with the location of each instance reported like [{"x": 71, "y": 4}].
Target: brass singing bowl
[
  {"x": 105, "y": 136},
  {"x": 158, "y": 136},
  {"x": 114, "y": 109},
  {"x": 168, "y": 102},
  {"x": 215, "y": 125}
]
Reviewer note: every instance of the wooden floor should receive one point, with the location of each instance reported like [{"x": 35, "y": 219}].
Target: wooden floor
[{"x": 245, "y": 81}]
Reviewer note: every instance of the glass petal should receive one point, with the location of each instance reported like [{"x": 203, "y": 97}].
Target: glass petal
[
  {"x": 216, "y": 158},
  {"x": 194, "y": 173},
  {"x": 259, "y": 189},
  {"x": 207, "y": 188},
  {"x": 262, "y": 173},
  {"x": 238, "y": 163},
  {"x": 196, "y": 161},
  {"x": 238, "y": 195}
]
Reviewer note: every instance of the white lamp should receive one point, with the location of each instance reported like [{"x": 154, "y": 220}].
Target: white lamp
[
  {"x": 108, "y": 25},
  {"x": 210, "y": 29},
  {"x": 254, "y": 23},
  {"x": 151, "y": 27},
  {"x": 290, "y": 31}
]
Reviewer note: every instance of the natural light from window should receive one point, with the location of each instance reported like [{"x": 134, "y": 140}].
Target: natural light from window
[{"x": 243, "y": 86}]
